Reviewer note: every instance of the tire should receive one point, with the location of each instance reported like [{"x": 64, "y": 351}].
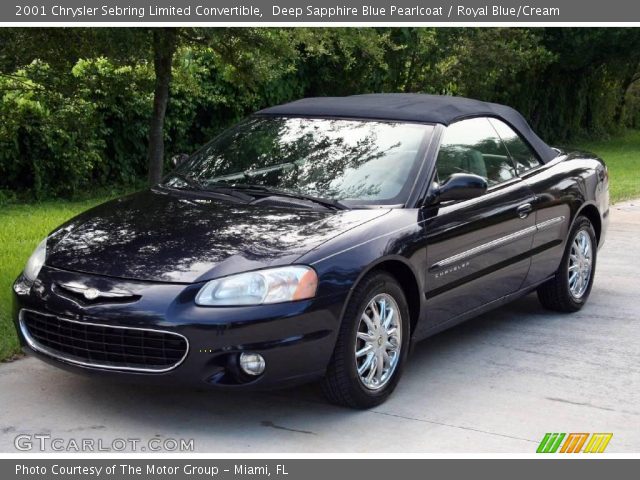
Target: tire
[
  {"x": 343, "y": 384},
  {"x": 556, "y": 293}
]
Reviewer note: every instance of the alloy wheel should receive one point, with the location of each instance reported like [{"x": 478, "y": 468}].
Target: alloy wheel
[
  {"x": 378, "y": 342},
  {"x": 580, "y": 264}
]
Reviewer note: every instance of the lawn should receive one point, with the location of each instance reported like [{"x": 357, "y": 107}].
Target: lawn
[
  {"x": 21, "y": 229},
  {"x": 23, "y": 226},
  {"x": 622, "y": 155}
]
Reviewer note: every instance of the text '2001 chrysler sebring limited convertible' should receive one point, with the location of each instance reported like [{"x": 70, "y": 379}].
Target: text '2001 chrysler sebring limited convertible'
[{"x": 317, "y": 240}]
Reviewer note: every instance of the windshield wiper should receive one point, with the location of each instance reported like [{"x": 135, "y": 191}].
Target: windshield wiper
[
  {"x": 325, "y": 202},
  {"x": 228, "y": 190},
  {"x": 221, "y": 189},
  {"x": 189, "y": 180}
]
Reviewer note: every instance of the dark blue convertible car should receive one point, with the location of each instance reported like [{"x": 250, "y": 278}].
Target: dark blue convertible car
[{"x": 317, "y": 240}]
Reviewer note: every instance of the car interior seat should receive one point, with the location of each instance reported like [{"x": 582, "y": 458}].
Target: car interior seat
[{"x": 457, "y": 159}]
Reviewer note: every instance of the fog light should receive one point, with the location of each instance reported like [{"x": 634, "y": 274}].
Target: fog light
[{"x": 252, "y": 363}]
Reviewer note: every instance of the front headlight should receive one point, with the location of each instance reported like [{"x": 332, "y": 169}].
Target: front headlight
[
  {"x": 274, "y": 285},
  {"x": 35, "y": 262}
]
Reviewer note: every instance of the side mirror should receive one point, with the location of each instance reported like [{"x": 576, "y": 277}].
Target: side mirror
[
  {"x": 461, "y": 186},
  {"x": 179, "y": 159}
]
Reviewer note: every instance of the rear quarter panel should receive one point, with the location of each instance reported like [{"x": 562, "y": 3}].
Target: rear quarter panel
[{"x": 567, "y": 186}]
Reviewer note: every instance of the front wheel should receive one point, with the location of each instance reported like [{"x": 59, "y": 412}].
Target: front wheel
[
  {"x": 570, "y": 287},
  {"x": 372, "y": 344}
]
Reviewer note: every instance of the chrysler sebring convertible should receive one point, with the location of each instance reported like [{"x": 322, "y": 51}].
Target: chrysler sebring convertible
[{"x": 317, "y": 240}]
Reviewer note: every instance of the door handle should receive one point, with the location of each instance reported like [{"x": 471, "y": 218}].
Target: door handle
[{"x": 524, "y": 210}]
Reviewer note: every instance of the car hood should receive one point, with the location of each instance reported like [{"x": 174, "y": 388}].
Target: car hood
[{"x": 175, "y": 237}]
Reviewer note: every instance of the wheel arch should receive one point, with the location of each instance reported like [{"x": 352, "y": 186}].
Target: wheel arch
[
  {"x": 399, "y": 268},
  {"x": 590, "y": 211}
]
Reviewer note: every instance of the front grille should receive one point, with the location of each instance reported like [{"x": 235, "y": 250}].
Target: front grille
[{"x": 103, "y": 346}]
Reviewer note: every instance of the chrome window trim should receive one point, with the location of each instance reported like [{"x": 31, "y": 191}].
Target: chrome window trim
[
  {"x": 33, "y": 343},
  {"x": 498, "y": 242}
]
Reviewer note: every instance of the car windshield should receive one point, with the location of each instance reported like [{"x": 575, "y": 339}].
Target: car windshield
[{"x": 350, "y": 161}]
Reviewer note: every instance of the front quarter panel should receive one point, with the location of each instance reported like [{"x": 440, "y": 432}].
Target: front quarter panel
[{"x": 397, "y": 236}]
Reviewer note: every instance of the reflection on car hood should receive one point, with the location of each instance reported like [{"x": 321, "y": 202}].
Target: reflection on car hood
[{"x": 171, "y": 237}]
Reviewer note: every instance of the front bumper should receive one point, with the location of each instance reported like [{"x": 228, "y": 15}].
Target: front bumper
[{"x": 296, "y": 339}]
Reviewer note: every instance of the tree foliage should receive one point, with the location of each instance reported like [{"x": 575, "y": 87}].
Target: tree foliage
[{"x": 78, "y": 107}]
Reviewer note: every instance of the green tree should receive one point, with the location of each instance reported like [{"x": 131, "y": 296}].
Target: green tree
[
  {"x": 81, "y": 107},
  {"x": 253, "y": 53}
]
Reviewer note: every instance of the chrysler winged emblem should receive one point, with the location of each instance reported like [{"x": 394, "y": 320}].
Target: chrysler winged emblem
[{"x": 91, "y": 293}]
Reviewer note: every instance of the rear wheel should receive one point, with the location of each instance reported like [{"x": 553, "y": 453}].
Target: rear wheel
[
  {"x": 570, "y": 287},
  {"x": 372, "y": 344}
]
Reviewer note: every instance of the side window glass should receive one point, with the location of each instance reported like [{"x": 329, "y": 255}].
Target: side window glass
[
  {"x": 523, "y": 156},
  {"x": 472, "y": 146}
]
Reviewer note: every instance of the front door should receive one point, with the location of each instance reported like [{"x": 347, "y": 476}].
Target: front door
[{"x": 478, "y": 249}]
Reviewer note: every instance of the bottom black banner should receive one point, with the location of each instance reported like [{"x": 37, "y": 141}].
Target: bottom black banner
[{"x": 314, "y": 469}]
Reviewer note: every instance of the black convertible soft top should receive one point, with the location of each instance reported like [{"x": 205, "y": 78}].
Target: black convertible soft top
[{"x": 412, "y": 107}]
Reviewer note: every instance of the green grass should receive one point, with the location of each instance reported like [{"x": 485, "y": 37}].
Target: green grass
[
  {"x": 622, "y": 156},
  {"x": 23, "y": 226},
  {"x": 21, "y": 229}
]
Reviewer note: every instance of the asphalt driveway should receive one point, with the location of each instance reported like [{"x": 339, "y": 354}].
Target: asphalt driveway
[{"x": 494, "y": 384}]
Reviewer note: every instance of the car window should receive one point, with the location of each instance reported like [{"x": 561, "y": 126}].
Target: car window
[
  {"x": 357, "y": 161},
  {"x": 473, "y": 146},
  {"x": 523, "y": 156}
]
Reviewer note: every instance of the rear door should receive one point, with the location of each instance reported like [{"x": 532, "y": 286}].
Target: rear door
[{"x": 477, "y": 249}]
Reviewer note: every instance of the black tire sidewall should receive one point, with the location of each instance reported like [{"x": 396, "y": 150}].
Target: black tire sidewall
[
  {"x": 376, "y": 284},
  {"x": 581, "y": 224}
]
